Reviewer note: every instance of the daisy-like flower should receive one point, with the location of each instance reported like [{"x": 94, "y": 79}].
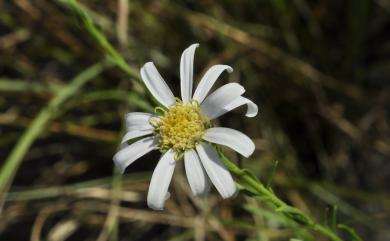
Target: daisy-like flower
[{"x": 184, "y": 129}]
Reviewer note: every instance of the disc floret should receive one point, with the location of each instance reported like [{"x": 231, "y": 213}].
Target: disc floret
[{"x": 181, "y": 127}]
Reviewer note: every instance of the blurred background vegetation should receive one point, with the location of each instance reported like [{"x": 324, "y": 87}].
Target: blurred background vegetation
[{"x": 319, "y": 71}]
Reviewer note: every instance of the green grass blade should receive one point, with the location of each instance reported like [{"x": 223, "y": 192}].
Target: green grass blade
[{"x": 13, "y": 161}]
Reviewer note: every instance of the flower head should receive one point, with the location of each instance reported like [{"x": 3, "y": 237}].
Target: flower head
[
  {"x": 181, "y": 127},
  {"x": 184, "y": 130}
]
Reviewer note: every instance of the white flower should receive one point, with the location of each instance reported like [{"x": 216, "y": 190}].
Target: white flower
[{"x": 184, "y": 129}]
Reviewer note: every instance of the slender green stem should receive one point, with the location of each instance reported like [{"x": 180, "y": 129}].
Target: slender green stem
[
  {"x": 38, "y": 125},
  {"x": 99, "y": 36},
  {"x": 259, "y": 190},
  {"x": 102, "y": 40}
]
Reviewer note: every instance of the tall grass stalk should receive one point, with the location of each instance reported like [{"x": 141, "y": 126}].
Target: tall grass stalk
[
  {"x": 102, "y": 40},
  {"x": 13, "y": 161}
]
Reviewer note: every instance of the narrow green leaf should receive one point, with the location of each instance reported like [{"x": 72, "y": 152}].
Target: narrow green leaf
[
  {"x": 354, "y": 236},
  {"x": 295, "y": 214}
]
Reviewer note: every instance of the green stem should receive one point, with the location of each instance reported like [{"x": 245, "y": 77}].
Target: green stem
[
  {"x": 290, "y": 212},
  {"x": 112, "y": 53},
  {"x": 38, "y": 125},
  {"x": 102, "y": 40}
]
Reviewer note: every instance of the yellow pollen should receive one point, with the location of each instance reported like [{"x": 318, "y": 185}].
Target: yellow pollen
[{"x": 181, "y": 127}]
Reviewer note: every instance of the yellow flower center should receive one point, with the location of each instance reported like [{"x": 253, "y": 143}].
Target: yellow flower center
[{"x": 181, "y": 127}]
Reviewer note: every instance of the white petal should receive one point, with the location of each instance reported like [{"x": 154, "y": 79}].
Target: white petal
[
  {"x": 127, "y": 155},
  {"x": 196, "y": 174},
  {"x": 214, "y": 104},
  {"x": 208, "y": 80},
  {"x": 216, "y": 171},
  {"x": 236, "y": 140},
  {"x": 131, "y": 134},
  {"x": 187, "y": 72},
  {"x": 138, "y": 121},
  {"x": 161, "y": 178},
  {"x": 252, "y": 108},
  {"x": 157, "y": 85}
]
